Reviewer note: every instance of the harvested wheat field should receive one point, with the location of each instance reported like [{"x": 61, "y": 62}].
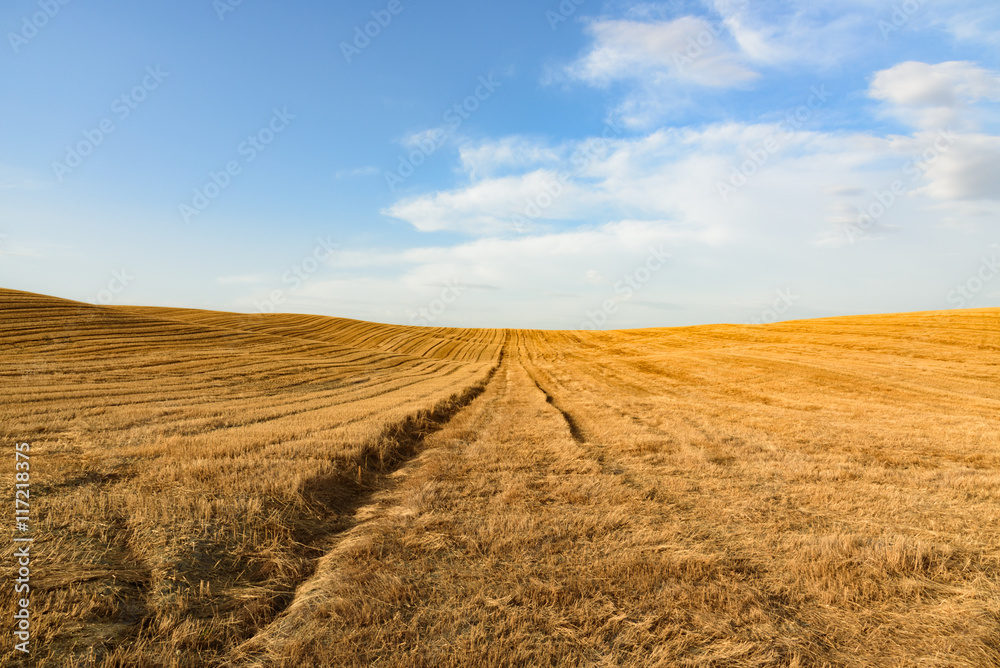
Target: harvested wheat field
[{"x": 216, "y": 489}]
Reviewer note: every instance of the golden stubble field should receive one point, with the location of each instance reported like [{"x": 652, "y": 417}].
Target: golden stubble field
[{"x": 216, "y": 489}]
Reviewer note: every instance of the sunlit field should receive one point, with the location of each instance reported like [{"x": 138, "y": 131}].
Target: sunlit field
[{"x": 217, "y": 489}]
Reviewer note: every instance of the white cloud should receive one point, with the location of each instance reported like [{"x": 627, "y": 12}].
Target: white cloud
[
  {"x": 662, "y": 60},
  {"x": 793, "y": 206},
  {"x": 423, "y": 138},
  {"x": 971, "y": 21},
  {"x": 816, "y": 32},
  {"x": 944, "y": 102},
  {"x": 968, "y": 170},
  {"x": 670, "y": 175},
  {"x": 546, "y": 278},
  {"x": 686, "y": 49},
  {"x": 828, "y": 33},
  {"x": 728, "y": 183},
  {"x": 935, "y": 96},
  {"x": 755, "y": 38},
  {"x": 486, "y": 158},
  {"x": 785, "y": 228},
  {"x": 495, "y": 205}
]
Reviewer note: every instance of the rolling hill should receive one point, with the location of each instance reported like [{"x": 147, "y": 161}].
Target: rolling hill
[{"x": 284, "y": 490}]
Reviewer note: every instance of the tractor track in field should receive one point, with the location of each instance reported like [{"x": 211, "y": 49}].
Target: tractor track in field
[
  {"x": 610, "y": 463},
  {"x": 339, "y": 496},
  {"x": 376, "y": 477}
]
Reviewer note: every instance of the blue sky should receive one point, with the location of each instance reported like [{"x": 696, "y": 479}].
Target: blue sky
[{"x": 530, "y": 164}]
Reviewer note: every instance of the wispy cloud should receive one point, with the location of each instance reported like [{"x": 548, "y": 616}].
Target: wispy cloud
[
  {"x": 661, "y": 62},
  {"x": 809, "y": 185}
]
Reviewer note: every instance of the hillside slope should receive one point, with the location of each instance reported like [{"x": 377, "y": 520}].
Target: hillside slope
[
  {"x": 225, "y": 489},
  {"x": 173, "y": 449}
]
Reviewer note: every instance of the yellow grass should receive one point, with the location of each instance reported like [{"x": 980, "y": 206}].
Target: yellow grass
[{"x": 222, "y": 489}]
